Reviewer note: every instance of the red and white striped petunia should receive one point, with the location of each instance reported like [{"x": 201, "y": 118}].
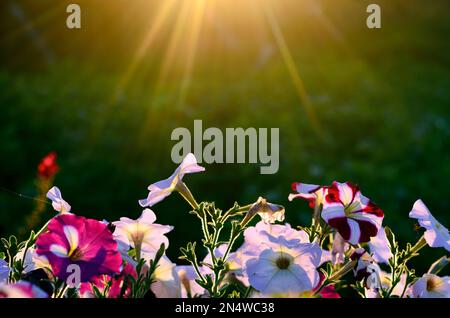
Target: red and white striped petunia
[
  {"x": 354, "y": 216},
  {"x": 314, "y": 194}
]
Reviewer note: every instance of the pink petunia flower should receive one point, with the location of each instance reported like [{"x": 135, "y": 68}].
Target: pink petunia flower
[
  {"x": 115, "y": 282},
  {"x": 21, "y": 290},
  {"x": 162, "y": 189},
  {"x": 436, "y": 234},
  {"x": 354, "y": 216},
  {"x": 88, "y": 243}
]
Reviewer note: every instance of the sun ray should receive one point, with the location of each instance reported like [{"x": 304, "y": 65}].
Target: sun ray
[
  {"x": 170, "y": 56},
  {"x": 197, "y": 20},
  {"x": 291, "y": 67},
  {"x": 174, "y": 44},
  {"x": 156, "y": 26}
]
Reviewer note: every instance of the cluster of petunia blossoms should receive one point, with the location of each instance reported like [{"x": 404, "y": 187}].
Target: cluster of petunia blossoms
[{"x": 250, "y": 250}]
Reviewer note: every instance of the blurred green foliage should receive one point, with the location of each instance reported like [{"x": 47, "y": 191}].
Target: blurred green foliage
[{"x": 382, "y": 98}]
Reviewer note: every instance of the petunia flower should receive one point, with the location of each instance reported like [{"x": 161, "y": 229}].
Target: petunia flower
[
  {"x": 366, "y": 269},
  {"x": 284, "y": 266},
  {"x": 269, "y": 212},
  {"x": 314, "y": 194},
  {"x": 21, "y": 289},
  {"x": 4, "y": 271},
  {"x": 338, "y": 249},
  {"x": 58, "y": 203},
  {"x": 48, "y": 167},
  {"x": 385, "y": 278},
  {"x": 32, "y": 260},
  {"x": 88, "y": 243},
  {"x": 167, "y": 283},
  {"x": 263, "y": 236},
  {"x": 115, "y": 283},
  {"x": 436, "y": 234},
  {"x": 380, "y": 247},
  {"x": 354, "y": 216},
  {"x": 328, "y": 291},
  {"x": 162, "y": 189},
  {"x": 142, "y": 234},
  {"x": 363, "y": 261},
  {"x": 431, "y": 286},
  {"x": 187, "y": 277}
]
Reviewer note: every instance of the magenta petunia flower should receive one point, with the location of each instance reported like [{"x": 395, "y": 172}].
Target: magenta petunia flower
[
  {"x": 354, "y": 216},
  {"x": 328, "y": 291},
  {"x": 115, "y": 283},
  {"x": 88, "y": 243}
]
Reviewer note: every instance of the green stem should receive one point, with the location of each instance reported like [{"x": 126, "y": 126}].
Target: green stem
[
  {"x": 344, "y": 270},
  {"x": 62, "y": 291},
  {"x": 421, "y": 243},
  {"x": 137, "y": 250}
]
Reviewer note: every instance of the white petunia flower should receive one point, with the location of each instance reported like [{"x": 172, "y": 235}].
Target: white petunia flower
[
  {"x": 286, "y": 266},
  {"x": 380, "y": 248},
  {"x": 187, "y": 277},
  {"x": 385, "y": 278},
  {"x": 58, "y": 202},
  {"x": 167, "y": 283},
  {"x": 4, "y": 271},
  {"x": 32, "y": 260},
  {"x": 431, "y": 286},
  {"x": 436, "y": 234},
  {"x": 142, "y": 234},
  {"x": 338, "y": 249},
  {"x": 269, "y": 212},
  {"x": 162, "y": 189}
]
